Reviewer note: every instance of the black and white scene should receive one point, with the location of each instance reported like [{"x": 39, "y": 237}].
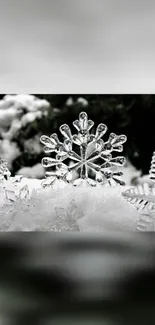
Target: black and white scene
[
  {"x": 77, "y": 279},
  {"x": 77, "y": 162},
  {"x": 84, "y": 46},
  {"x": 84, "y": 162}
]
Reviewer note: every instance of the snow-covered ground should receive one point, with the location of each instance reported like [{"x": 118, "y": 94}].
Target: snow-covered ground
[
  {"x": 27, "y": 206},
  {"x": 65, "y": 208}
]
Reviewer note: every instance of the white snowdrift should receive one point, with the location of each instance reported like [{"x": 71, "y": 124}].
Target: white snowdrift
[{"x": 68, "y": 209}]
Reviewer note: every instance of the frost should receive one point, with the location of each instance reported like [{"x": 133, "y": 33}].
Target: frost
[{"x": 98, "y": 162}]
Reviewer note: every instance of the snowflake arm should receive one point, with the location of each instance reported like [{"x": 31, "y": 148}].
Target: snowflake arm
[
  {"x": 142, "y": 196},
  {"x": 152, "y": 168},
  {"x": 84, "y": 160}
]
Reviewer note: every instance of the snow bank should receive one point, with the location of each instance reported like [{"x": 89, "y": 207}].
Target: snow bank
[{"x": 68, "y": 209}]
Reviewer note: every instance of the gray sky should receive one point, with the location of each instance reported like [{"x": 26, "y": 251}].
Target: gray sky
[{"x": 93, "y": 46}]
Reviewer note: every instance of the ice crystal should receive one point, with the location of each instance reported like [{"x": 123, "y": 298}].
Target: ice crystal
[
  {"x": 143, "y": 199},
  {"x": 152, "y": 168},
  {"x": 16, "y": 193},
  {"x": 13, "y": 188},
  {"x": 66, "y": 219},
  {"x": 4, "y": 171},
  {"x": 146, "y": 222},
  {"x": 95, "y": 166}
]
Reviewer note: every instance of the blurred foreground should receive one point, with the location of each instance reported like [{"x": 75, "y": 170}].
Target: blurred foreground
[{"x": 77, "y": 279}]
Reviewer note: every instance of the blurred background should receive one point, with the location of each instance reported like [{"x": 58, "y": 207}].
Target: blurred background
[
  {"x": 55, "y": 46},
  {"x": 24, "y": 118},
  {"x": 77, "y": 279}
]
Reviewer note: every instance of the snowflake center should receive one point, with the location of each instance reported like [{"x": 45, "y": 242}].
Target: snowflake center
[{"x": 94, "y": 158}]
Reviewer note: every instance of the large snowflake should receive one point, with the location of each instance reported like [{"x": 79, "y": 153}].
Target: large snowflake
[{"x": 92, "y": 157}]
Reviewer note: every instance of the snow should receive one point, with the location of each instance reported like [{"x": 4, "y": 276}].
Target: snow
[
  {"x": 130, "y": 173},
  {"x": 68, "y": 209},
  {"x": 37, "y": 171},
  {"x": 16, "y": 112},
  {"x": 33, "y": 145},
  {"x": 27, "y": 206},
  {"x": 9, "y": 151},
  {"x": 82, "y": 101}
]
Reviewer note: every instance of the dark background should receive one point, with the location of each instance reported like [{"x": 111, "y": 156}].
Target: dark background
[{"x": 132, "y": 115}]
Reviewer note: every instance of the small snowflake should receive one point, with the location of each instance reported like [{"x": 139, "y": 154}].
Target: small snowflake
[
  {"x": 143, "y": 196},
  {"x": 99, "y": 161},
  {"x": 66, "y": 219},
  {"x": 143, "y": 199}
]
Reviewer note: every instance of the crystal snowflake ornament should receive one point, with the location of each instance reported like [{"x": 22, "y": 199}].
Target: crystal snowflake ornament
[
  {"x": 152, "y": 168},
  {"x": 143, "y": 196},
  {"x": 86, "y": 152},
  {"x": 143, "y": 199}
]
